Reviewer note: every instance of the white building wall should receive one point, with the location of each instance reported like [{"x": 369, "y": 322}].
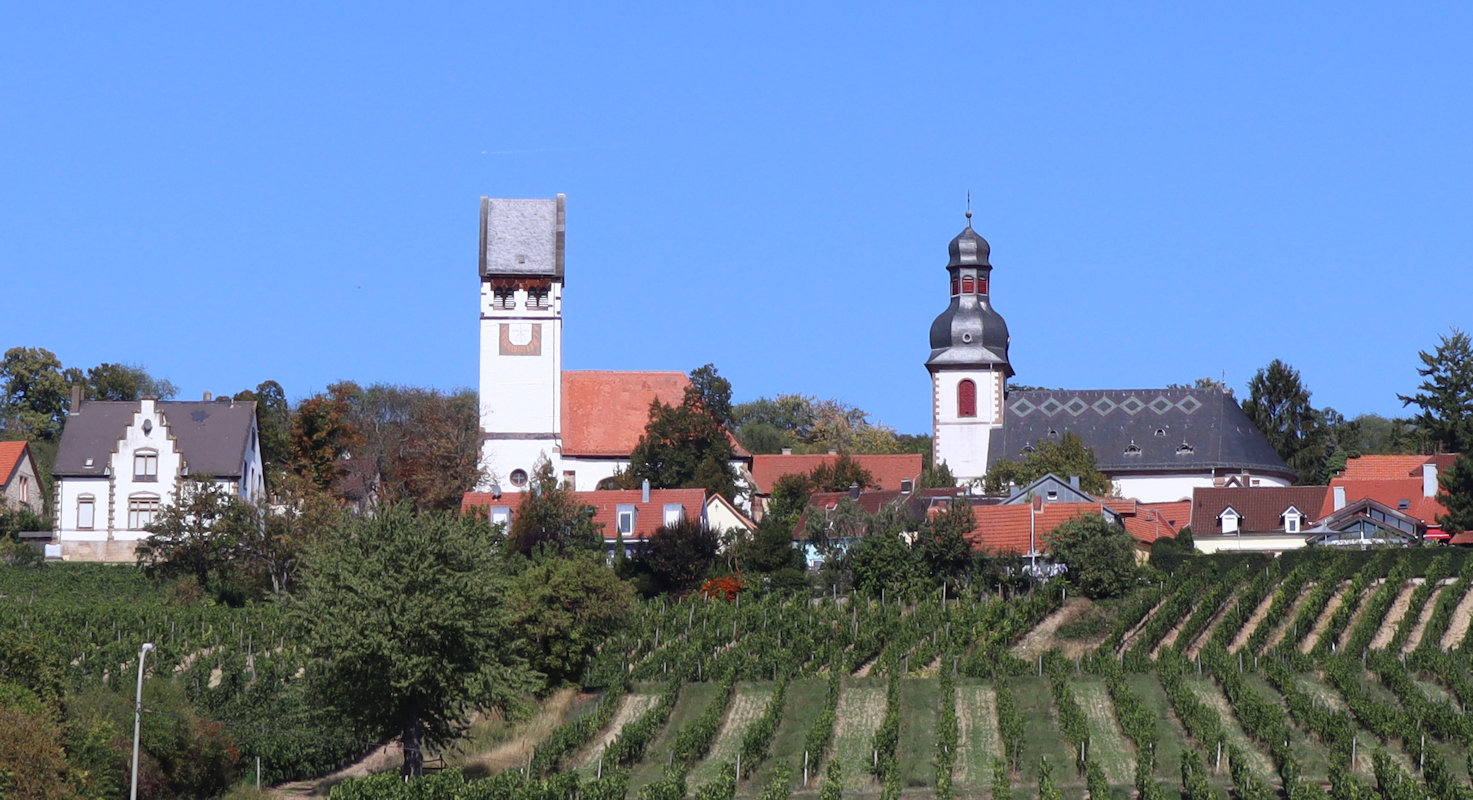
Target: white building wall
[
  {"x": 962, "y": 442},
  {"x": 1167, "y": 488},
  {"x": 521, "y": 365}
]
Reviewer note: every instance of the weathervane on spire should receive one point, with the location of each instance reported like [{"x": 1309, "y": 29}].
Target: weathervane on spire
[{"x": 969, "y": 208}]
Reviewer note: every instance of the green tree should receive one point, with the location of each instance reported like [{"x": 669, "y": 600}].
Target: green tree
[
  {"x": 419, "y": 446},
  {"x": 274, "y": 424},
  {"x": 790, "y": 493},
  {"x": 550, "y": 521},
  {"x": 321, "y": 435},
  {"x": 203, "y": 533},
  {"x": 942, "y": 541},
  {"x": 1455, "y": 493},
  {"x": 678, "y": 555},
  {"x": 33, "y": 764},
  {"x": 1100, "y": 556},
  {"x": 882, "y": 560},
  {"x": 405, "y": 620},
  {"x": 1278, "y": 404},
  {"x": 37, "y": 392},
  {"x": 686, "y": 446},
  {"x": 1065, "y": 458},
  {"x": 126, "y": 382},
  {"x": 1445, "y": 396},
  {"x": 771, "y": 552},
  {"x": 562, "y": 610}
]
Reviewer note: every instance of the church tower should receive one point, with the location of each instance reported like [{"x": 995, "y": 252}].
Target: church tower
[
  {"x": 969, "y": 362},
  {"x": 521, "y": 336}
]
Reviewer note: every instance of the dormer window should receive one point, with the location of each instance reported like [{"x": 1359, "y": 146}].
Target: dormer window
[
  {"x": 145, "y": 465},
  {"x": 1132, "y": 449},
  {"x": 966, "y": 399},
  {"x": 1160, "y": 431},
  {"x": 1403, "y": 505},
  {"x": 1292, "y": 520},
  {"x": 1185, "y": 449},
  {"x": 674, "y": 513},
  {"x": 1228, "y": 520},
  {"x": 626, "y": 519}
]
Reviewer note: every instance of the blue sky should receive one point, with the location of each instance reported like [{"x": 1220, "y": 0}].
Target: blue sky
[{"x": 228, "y": 194}]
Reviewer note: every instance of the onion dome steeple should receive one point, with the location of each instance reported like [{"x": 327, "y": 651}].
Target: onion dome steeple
[{"x": 969, "y": 333}]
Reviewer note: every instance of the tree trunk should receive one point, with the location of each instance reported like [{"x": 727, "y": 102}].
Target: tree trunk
[{"x": 412, "y": 742}]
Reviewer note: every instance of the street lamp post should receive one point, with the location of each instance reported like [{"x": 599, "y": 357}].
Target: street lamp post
[{"x": 138, "y": 717}]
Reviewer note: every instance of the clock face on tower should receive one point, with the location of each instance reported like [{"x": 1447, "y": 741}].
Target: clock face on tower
[{"x": 520, "y": 339}]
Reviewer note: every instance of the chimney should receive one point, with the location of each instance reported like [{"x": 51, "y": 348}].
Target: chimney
[
  {"x": 1074, "y": 481},
  {"x": 1429, "y": 479},
  {"x": 787, "y": 451},
  {"x": 1339, "y": 497},
  {"x": 853, "y": 491},
  {"x": 76, "y": 400},
  {"x": 644, "y": 491},
  {"x": 208, "y": 397}
]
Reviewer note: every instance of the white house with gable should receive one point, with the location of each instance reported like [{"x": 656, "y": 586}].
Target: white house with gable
[{"x": 120, "y": 463}]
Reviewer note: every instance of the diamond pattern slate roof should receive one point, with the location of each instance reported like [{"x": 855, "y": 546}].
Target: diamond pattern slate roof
[
  {"x": 212, "y": 436},
  {"x": 1199, "y": 429}
]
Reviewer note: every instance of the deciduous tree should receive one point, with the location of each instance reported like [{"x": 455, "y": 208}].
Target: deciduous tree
[
  {"x": 321, "y": 434},
  {"x": 1065, "y": 458},
  {"x": 203, "y": 533},
  {"x": 1100, "y": 556},
  {"x": 1445, "y": 396},
  {"x": 686, "y": 445},
  {"x": 550, "y": 521},
  {"x": 126, "y": 382},
  {"x": 36, "y": 392},
  {"x": 406, "y": 622},
  {"x": 562, "y": 609}
]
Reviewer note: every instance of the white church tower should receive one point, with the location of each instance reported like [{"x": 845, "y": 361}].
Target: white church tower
[
  {"x": 521, "y": 336},
  {"x": 969, "y": 362}
]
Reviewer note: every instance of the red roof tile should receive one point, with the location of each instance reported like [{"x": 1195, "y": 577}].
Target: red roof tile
[
  {"x": 1385, "y": 467},
  {"x": 604, "y": 413},
  {"x": 11, "y": 454},
  {"x": 647, "y": 519},
  {"x": 1151, "y": 521},
  {"x": 887, "y": 470},
  {"x": 1005, "y": 529},
  {"x": 1260, "y": 508},
  {"x": 1389, "y": 493}
]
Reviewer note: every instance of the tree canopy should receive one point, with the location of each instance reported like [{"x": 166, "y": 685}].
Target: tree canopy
[
  {"x": 1278, "y": 403},
  {"x": 550, "y": 521},
  {"x": 1100, "y": 556},
  {"x": 1455, "y": 493},
  {"x": 687, "y": 446},
  {"x": 407, "y": 623},
  {"x": 36, "y": 392},
  {"x": 1066, "y": 458},
  {"x": 1445, "y": 397},
  {"x": 126, "y": 382},
  {"x": 810, "y": 425}
]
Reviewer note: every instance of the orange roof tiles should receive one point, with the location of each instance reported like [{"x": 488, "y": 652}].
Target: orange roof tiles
[
  {"x": 604, "y": 413},
  {"x": 11, "y": 454},
  {"x": 1155, "y": 520},
  {"x": 887, "y": 470},
  {"x": 1384, "y": 467},
  {"x": 1389, "y": 493},
  {"x": 1005, "y": 529},
  {"x": 647, "y": 519}
]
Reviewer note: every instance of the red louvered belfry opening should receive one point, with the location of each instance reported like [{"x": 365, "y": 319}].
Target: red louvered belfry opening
[{"x": 966, "y": 399}]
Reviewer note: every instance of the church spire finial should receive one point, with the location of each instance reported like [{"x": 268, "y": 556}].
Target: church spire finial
[{"x": 969, "y": 208}]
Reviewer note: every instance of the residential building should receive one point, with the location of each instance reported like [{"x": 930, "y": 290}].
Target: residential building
[
  {"x": 120, "y": 464},
  {"x": 19, "y": 485},
  {"x": 1263, "y": 518},
  {"x": 897, "y": 473}
]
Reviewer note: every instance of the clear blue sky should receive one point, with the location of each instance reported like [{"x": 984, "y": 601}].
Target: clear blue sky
[{"x": 227, "y": 194}]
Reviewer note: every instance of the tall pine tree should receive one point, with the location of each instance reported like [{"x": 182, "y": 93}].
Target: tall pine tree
[{"x": 1445, "y": 395}]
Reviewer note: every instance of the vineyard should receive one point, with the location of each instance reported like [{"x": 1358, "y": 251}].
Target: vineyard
[{"x": 1322, "y": 675}]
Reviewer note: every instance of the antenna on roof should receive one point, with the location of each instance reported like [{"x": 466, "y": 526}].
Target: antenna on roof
[{"x": 969, "y": 208}]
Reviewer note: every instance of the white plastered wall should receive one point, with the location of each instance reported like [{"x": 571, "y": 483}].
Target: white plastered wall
[{"x": 963, "y": 442}]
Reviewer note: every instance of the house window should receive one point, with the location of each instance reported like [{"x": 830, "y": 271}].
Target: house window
[
  {"x": 906, "y": 485},
  {"x": 518, "y": 478},
  {"x": 1053, "y": 496},
  {"x": 85, "y": 508},
  {"x": 570, "y": 478},
  {"x": 626, "y": 518},
  {"x": 674, "y": 513},
  {"x": 1403, "y": 505},
  {"x": 145, "y": 465},
  {"x": 538, "y": 298},
  {"x": 503, "y": 298},
  {"x": 1291, "y": 520},
  {"x": 142, "y": 509},
  {"x": 25, "y": 489},
  {"x": 966, "y": 399},
  {"x": 500, "y": 515},
  {"x": 1229, "y": 521}
]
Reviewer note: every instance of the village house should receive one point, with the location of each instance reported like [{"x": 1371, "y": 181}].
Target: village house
[
  {"x": 19, "y": 486},
  {"x": 896, "y": 473},
  {"x": 121, "y": 463}
]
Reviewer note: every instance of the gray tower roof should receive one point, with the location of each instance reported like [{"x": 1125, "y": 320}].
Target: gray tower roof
[
  {"x": 970, "y": 332},
  {"x": 522, "y": 237},
  {"x": 1140, "y": 430}
]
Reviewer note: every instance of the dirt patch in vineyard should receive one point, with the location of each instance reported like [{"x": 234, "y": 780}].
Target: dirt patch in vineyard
[
  {"x": 1415, "y": 637},
  {"x": 1324, "y": 619},
  {"x": 978, "y": 741},
  {"x": 1107, "y": 743},
  {"x": 864, "y": 669},
  {"x": 860, "y": 712},
  {"x": 1281, "y": 627},
  {"x": 1206, "y": 635},
  {"x": 1320, "y": 692},
  {"x": 746, "y": 706},
  {"x": 1393, "y": 617},
  {"x": 379, "y": 759},
  {"x": 1170, "y": 638},
  {"x": 1208, "y": 693},
  {"x": 1459, "y": 624},
  {"x": 1045, "y": 634},
  {"x": 629, "y": 710},
  {"x": 1360, "y": 611},
  {"x": 1246, "y": 632},
  {"x": 517, "y": 750},
  {"x": 1129, "y": 638}
]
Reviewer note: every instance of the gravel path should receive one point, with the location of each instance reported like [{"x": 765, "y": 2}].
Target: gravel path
[{"x": 1393, "y": 617}]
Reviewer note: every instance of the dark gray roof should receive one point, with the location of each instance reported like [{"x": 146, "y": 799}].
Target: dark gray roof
[
  {"x": 968, "y": 249},
  {"x": 1140, "y": 430},
  {"x": 522, "y": 237},
  {"x": 212, "y": 437}
]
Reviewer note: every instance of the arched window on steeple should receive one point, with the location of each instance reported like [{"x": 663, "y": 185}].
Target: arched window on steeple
[{"x": 966, "y": 399}]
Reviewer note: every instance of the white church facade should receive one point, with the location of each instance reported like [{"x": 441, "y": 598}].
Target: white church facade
[{"x": 1156, "y": 445}]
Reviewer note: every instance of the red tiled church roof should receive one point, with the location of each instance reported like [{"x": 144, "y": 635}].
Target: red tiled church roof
[
  {"x": 887, "y": 470},
  {"x": 604, "y": 413},
  {"x": 648, "y": 516},
  {"x": 11, "y": 454}
]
